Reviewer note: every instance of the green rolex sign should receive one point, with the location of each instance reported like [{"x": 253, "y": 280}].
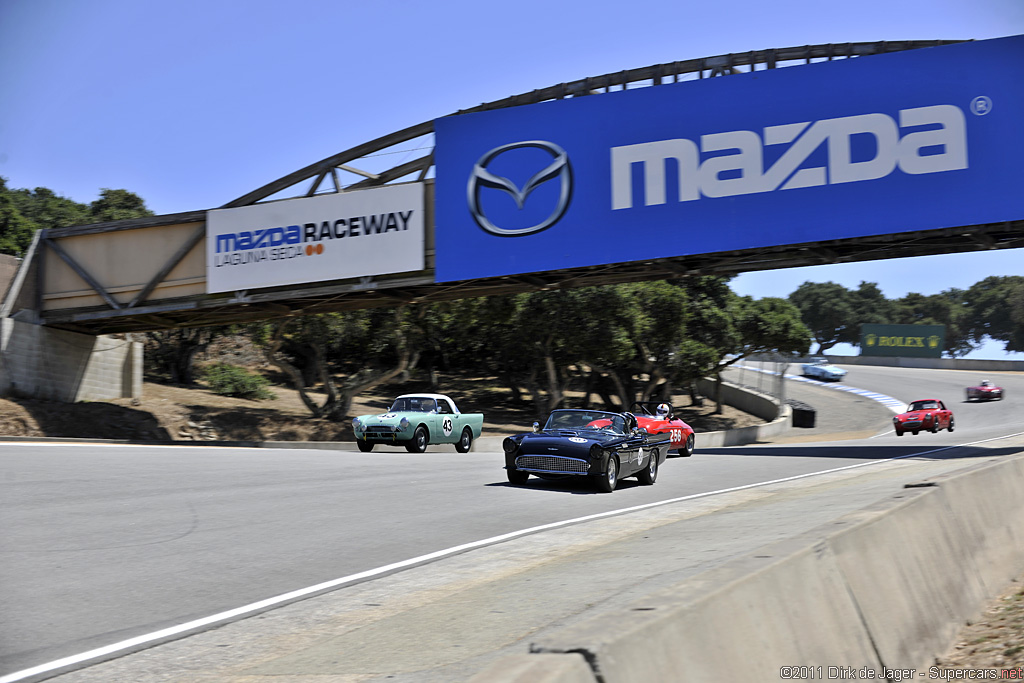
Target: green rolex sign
[{"x": 921, "y": 341}]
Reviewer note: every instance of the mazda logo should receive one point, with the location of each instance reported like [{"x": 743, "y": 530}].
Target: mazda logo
[{"x": 481, "y": 177}]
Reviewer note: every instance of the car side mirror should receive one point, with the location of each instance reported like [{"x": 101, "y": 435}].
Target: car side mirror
[{"x": 536, "y": 427}]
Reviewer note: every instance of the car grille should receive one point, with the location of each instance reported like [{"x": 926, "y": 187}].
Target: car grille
[
  {"x": 912, "y": 423},
  {"x": 551, "y": 463},
  {"x": 380, "y": 430}
]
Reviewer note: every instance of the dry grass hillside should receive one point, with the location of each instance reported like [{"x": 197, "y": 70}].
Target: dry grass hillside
[{"x": 167, "y": 412}]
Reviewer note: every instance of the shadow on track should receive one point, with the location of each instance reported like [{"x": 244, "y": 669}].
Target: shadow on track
[
  {"x": 577, "y": 486},
  {"x": 936, "y": 451}
]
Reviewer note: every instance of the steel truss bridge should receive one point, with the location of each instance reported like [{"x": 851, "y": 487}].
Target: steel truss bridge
[{"x": 171, "y": 291}]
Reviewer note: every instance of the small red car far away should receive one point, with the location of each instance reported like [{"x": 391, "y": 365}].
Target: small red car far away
[
  {"x": 986, "y": 391},
  {"x": 929, "y": 413},
  {"x": 660, "y": 418}
]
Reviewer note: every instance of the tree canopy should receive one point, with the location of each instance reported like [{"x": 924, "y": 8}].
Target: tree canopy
[{"x": 23, "y": 212}]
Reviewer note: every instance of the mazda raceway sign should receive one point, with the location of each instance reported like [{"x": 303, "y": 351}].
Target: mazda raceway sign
[
  {"x": 328, "y": 237},
  {"x": 915, "y": 140}
]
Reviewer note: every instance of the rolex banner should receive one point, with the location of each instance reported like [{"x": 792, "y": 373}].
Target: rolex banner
[{"x": 918, "y": 341}]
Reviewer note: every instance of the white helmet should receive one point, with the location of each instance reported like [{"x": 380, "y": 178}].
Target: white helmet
[{"x": 663, "y": 410}]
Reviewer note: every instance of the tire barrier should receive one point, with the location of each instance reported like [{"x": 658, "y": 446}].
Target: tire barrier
[{"x": 804, "y": 415}]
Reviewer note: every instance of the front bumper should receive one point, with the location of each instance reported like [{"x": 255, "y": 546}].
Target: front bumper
[
  {"x": 553, "y": 464},
  {"x": 383, "y": 434}
]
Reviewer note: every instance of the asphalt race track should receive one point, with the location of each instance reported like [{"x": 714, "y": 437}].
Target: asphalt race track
[{"x": 104, "y": 543}]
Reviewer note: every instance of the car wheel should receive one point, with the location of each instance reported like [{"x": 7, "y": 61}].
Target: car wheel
[
  {"x": 950, "y": 428},
  {"x": 899, "y": 432},
  {"x": 935, "y": 426},
  {"x": 465, "y": 442},
  {"x": 364, "y": 445},
  {"x": 649, "y": 474},
  {"x": 419, "y": 441},
  {"x": 687, "y": 450},
  {"x": 516, "y": 476},
  {"x": 607, "y": 481},
  {"x": 914, "y": 432}
]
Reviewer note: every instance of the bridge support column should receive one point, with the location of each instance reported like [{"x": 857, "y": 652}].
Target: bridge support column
[{"x": 58, "y": 365}]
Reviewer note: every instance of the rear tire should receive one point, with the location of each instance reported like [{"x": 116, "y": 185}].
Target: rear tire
[
  {"x": 419, "y": 441},
  {"x": 950, "y": 428},
  {"x": 465, "y": 442},
  {"x": 364, "y": 445}
]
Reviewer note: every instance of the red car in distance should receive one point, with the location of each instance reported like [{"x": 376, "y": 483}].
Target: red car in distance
[
  {"x": 660, "y": 418},
  {"x": 986, "y": 391},
  {"x": 929, "y": 414}
]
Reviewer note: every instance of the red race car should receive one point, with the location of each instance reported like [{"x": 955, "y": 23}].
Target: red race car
[
  {"x": 659, "y": 418},
  {"x": 986, "y": 391},
  {"x": 929, "y": 413}
]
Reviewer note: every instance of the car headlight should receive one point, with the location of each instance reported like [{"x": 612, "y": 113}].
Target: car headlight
[
  {"x": 509, "y": 445},
  {"x": 403, "y": 423},
  {"x": 356, "y": 424}
]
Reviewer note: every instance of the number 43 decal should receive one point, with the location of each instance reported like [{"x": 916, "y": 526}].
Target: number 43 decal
[{"x": 446, "y": 426}]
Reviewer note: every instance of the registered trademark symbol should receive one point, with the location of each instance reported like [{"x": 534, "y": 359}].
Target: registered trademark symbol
[{"x": 981, "y": 105}]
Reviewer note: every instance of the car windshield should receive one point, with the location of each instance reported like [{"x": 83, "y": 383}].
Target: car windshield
[
  {"x": 923, "y": 405},
  {"x": 578, "y": 420},
  {"x": 413, "y": 404}
]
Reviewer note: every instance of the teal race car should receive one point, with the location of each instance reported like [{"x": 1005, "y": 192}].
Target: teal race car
[{"x": 417, "y": 420}]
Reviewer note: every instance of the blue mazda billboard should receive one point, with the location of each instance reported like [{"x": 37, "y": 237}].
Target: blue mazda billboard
[{"x": 914, "y": 140}]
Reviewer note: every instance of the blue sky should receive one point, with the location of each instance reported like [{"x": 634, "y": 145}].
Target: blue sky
[{"x": 191, "y": 104}]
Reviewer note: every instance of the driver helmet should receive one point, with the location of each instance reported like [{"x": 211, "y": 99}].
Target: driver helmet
[
  {"x": 985, "y": 383},
  {"x": 663, "y": 410}
]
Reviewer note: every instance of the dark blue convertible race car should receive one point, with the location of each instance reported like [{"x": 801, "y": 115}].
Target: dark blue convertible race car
[{"x": 601, "y": 445}]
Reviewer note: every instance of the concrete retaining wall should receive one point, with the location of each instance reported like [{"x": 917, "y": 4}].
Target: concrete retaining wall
[
  {"x": 779, "y": 417},
  {"x": 58, "y": 365},
  {"x": 887, "y": 587}
]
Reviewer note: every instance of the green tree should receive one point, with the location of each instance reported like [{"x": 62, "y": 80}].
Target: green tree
[
  {"x": 172, "y": 352},
  {"x": 16, "y": 231},
  {"x": 870, "y": 306},
  {"x": 373, "y": 342},
  {"x": 948, "y": 308},
  {"x": 23, "y": 212},
  {"x": 768, "y": 325},
  {"x": 117, "y": 205},
  {"x": 829, "y": 311},
  {"x": 996, "y": 311}
]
